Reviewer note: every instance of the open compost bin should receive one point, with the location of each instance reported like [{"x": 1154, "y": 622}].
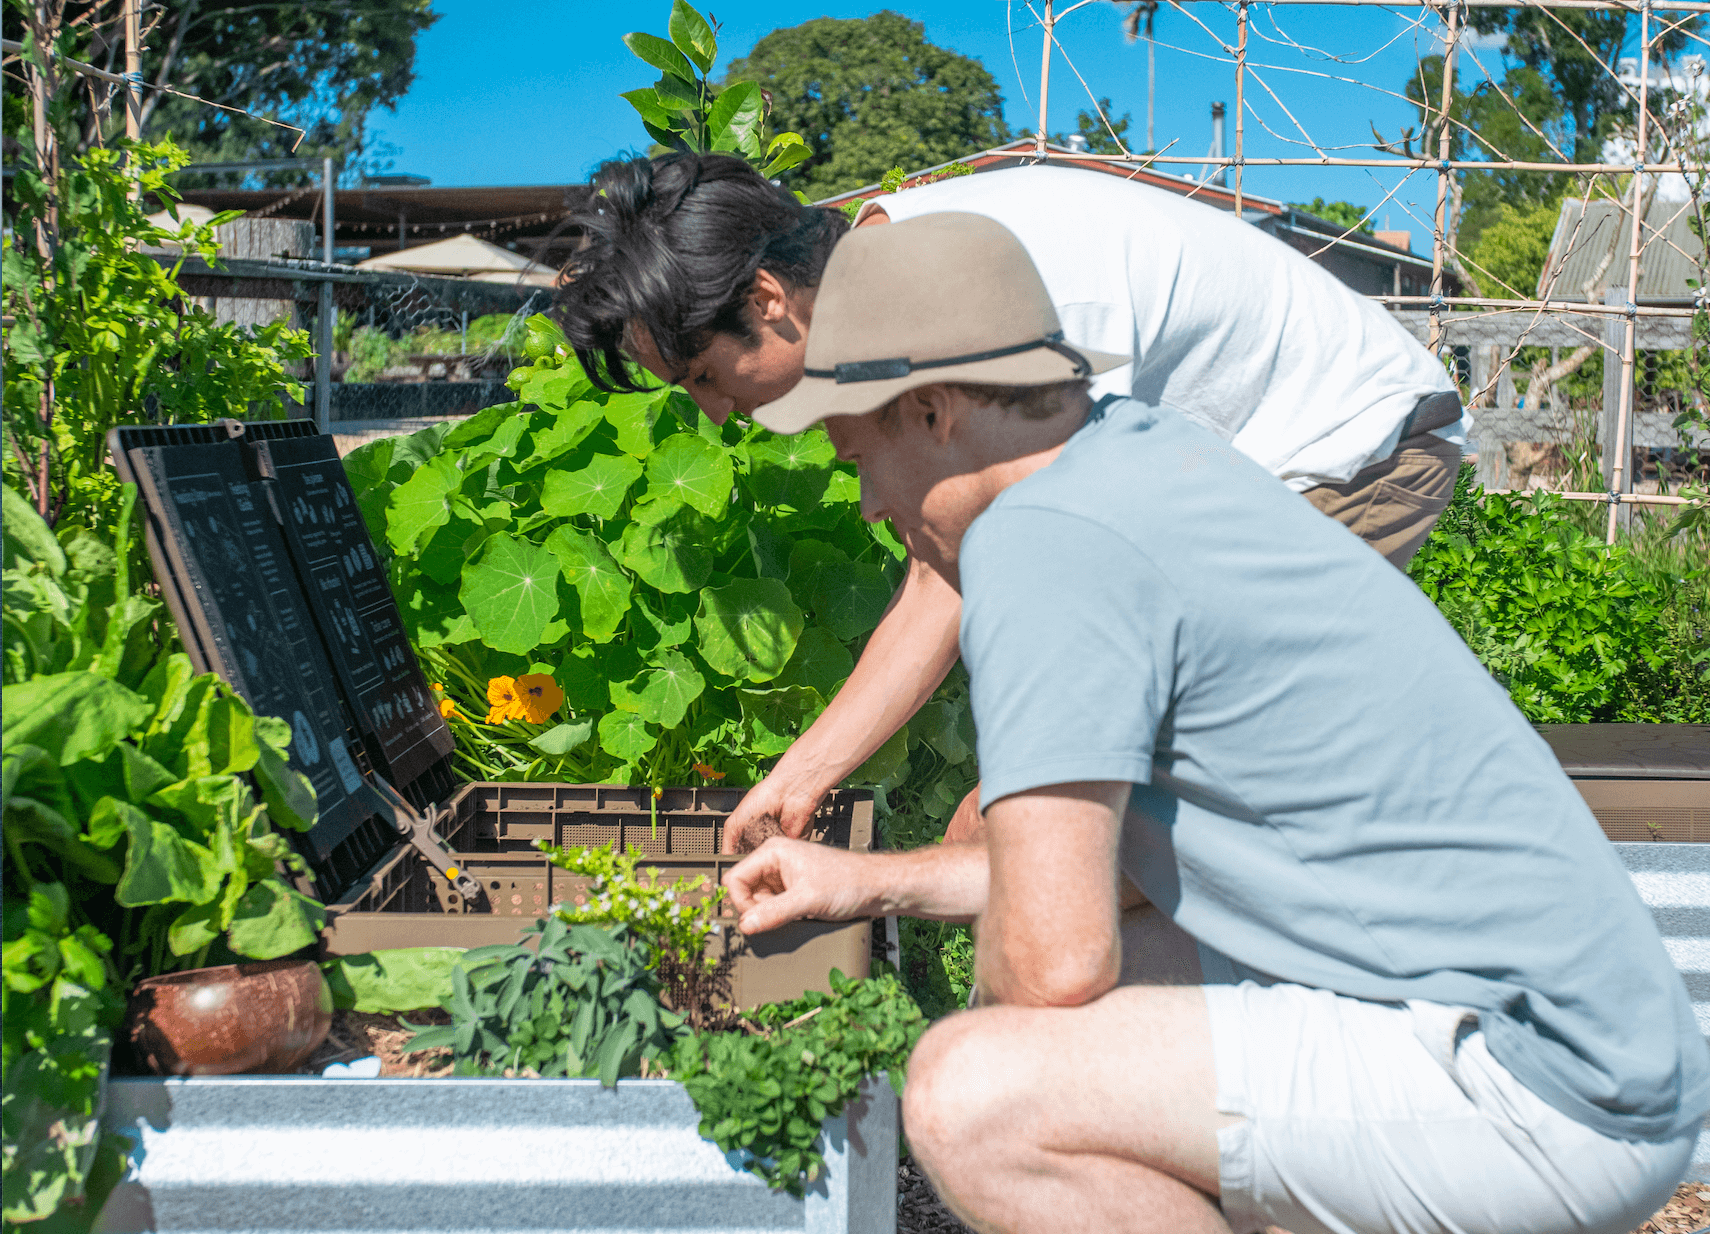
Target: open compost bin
[{"x": 268, "y": 568}]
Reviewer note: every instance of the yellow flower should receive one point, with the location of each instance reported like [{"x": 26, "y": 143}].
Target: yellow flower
[
  {"x": 708, "y": 772},
  {"x": 538, "y": 696},
  {"x": 447, "y": 708},
  {"x": 502, "y": 695}
]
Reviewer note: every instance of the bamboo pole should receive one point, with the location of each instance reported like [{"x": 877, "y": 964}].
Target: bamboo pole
[
  {"x": 1420, "y": 164},
  {"x": 1044, "y": 83},
  {"x": 1620, "y": 478},
  {"x": 133, "y": 69},
  {"x": 1240, "y": 102},
  {"x": 1551, "y": 306},
  {"x": 1440, "y": 236}
]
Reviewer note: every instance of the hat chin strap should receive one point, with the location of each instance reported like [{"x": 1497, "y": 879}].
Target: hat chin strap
[{"x": 902, "y": 366}]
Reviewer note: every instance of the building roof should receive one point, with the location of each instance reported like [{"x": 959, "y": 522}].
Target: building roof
[
  {"x": 371, "y": 217},
  {"x": 1589, "y": 252},
  {"x": 1305, "y": 231}
]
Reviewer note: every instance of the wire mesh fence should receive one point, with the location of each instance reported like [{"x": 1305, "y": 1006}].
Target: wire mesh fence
[
  {"x": 406, "y": 348},
  {"x": 1595, "y": 372}
]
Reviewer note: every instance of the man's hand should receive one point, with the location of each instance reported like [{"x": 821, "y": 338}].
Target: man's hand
[
  {"x": 777, "y": 806},
  {"x": 789, "y": 880},
  {"x": 792, "y": 880}
]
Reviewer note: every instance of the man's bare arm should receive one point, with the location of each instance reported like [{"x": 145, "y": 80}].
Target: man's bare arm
[
  {"x": 791, "y": 880},
  {"x": 1049, "y": 934},
  {"x": 905, "y": 660}
]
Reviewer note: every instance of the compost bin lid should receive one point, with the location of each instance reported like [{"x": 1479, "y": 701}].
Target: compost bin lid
[
  {"x": 276, "y": 585},
  {"x": 1631, "y": 751}
]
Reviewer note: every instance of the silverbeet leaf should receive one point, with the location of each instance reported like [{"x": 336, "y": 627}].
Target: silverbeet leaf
[{"x": 274, "y": 920}]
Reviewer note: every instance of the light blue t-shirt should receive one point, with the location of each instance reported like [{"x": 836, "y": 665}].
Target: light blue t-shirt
[{"x": 1328, "y": 788}]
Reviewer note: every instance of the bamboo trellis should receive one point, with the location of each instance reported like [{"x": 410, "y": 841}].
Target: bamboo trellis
[{"x": 1451, "y": 15}]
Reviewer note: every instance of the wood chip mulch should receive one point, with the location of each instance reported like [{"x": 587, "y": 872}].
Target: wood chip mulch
[
  {"x": 1687, "y": 1213},
  {"x": 920, "y": 1211},
  {"x": 358, "y": 1034}
]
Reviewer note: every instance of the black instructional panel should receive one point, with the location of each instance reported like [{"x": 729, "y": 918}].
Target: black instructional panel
[
  {"x": 222, "y": 546},
  {"x": 351, "y": 598}
]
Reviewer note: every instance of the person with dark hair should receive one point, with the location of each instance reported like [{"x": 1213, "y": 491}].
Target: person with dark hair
[{"x": 705, "y": 274}]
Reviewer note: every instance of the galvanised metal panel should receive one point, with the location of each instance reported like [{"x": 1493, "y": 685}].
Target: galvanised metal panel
[
  {"x": 301, "y": 1153},
  {"x": 1674, "y": 882}
]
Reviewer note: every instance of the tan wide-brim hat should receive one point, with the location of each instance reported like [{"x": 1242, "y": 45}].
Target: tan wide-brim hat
[{"x": 943, "y": 297}]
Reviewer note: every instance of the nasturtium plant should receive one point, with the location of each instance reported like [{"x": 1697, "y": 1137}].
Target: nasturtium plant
[{"x": 696, "y": 593}]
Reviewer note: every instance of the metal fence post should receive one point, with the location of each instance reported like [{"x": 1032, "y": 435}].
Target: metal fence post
[{"x": 324, "y": 309}]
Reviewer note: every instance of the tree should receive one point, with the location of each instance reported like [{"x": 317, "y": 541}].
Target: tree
[
  {"x": 322, "y": 65},
  {"x": 1512, "y": 248},
  {"x": 871, "y": 93},
  {"x": 1344, "y": 214},
  {"x": 1106, "y": 135}
]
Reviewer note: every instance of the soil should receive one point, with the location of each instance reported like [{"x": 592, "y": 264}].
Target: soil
[{"x": 358, "y": 1034}]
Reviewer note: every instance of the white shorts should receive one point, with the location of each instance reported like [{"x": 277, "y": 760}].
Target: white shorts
[{"x": 1384, "y": 1118}]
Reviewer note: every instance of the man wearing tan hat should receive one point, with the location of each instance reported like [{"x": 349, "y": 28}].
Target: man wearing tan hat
[{"x": 1379, "y": 969}]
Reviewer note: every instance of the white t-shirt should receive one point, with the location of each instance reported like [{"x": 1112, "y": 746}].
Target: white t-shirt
[{"x": 1231, "y": 326}]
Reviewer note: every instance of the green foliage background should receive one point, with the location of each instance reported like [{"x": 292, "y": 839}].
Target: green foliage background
[
  {"x": 697, "y": 592},
  {"x": 870, "y": 93}
]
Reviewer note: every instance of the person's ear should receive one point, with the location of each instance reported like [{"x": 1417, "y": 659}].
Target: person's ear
[
  {"x": 938, "y": 411},
  {"x": 770, "y": 299}
]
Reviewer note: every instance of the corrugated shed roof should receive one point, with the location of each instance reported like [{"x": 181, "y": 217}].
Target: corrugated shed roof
[{"x": 1590, "y": 248}]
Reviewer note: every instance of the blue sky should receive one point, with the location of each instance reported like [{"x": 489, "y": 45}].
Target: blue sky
[{"x": 528, "y": 93}]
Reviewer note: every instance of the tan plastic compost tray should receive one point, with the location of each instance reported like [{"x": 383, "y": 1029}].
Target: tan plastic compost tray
[
  {"x": 491, "y": 828},
  {"x": 1642, "y": 781}
]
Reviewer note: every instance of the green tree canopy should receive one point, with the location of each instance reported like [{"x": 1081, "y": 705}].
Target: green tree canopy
[
  {"x": 1099, "y": 135},
  {"x": 870, "y": 94},
  {"x": 1512, "y": 248},
  {"x": 1344, "y": 214},
  {"x": 322, "y": 65}
]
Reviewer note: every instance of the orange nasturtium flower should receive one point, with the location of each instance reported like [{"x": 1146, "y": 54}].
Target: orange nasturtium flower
[
  {"x": 502, "y": 695},
  {"x": 708, "y": 772},
  {"x": 447, "y": 708},
  {"x": 538, "y": 696}
]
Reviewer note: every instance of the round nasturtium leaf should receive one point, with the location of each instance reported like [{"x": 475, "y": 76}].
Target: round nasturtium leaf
[
  {"x": 597, "y": 489},
  {"x": 632, "y": 415},
  {"x": 821, "y": 661},
  {"x": 694, "y": 471},
  {"x": 602, "y": 588},
  {"x": 666, "y": 546},
  {"x": 850, "y": 597},
  {"x": 666, "y": 687},
  {"x": 748, "y": 628},
  {"x": 421, "y": 503},
  {"x": 625, "y": 735},
  {"x": 791, "y": 471},
  {"x": 511, "y": 592},
  {"x": 777, "y": 717}
]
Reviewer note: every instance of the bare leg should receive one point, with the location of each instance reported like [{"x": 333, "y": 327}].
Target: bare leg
[{"x": 1097, "y": 1119}]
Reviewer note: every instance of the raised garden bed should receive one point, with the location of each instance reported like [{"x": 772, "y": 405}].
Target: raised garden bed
[{"x": 303, "y": 1153}]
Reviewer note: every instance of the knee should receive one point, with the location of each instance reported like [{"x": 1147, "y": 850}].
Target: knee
[{"x": 959, "y": 1091}]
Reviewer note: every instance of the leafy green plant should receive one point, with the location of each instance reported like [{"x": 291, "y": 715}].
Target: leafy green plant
[
  {"x": 683, "y": 110},
  {"x": 675, "y": 919},
  {"x": 1572, "y": 627},
  {"x": 103, "y": 335},
  {"x": 134, "y": 842},
  {"x": 767, "y": 1094},
  {"x": 583, "y": 1004},
  {"x": 696, "y": 593}
]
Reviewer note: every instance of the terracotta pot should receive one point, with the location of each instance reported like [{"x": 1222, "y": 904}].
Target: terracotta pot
[{"x": 265, "y": 1016}]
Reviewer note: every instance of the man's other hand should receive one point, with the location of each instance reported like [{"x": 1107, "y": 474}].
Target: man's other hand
[
  {"x": 787, "y": 880},
  {"x": 774, "y": 807}
]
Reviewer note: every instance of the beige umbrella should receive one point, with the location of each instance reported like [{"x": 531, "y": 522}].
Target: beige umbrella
[{"x": 462, "y": 256}]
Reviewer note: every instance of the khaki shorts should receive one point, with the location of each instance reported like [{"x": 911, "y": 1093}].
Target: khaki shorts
[
  {"x": 1391, "y": 1118},
  {"x": 1393, "y": 504}
]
